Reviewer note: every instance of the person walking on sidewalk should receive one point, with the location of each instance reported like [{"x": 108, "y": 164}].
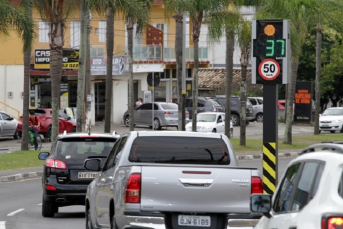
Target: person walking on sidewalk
[{"x": 34, "y": 127}]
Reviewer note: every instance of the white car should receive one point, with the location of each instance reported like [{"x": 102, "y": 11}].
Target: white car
[
  {"x": 211, "y": 122},
  {"x": 8, "y": 125},
  {"x": 331, "y": 120},
  {"x": 310, "y": 194}
]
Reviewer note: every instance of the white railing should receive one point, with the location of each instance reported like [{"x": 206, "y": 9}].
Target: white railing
[
  {"x": 169, "y": 53},
  {"x": 143, "y": 52}
]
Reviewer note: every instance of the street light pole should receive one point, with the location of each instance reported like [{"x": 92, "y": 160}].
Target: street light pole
[{"x": 183, "y": 100}]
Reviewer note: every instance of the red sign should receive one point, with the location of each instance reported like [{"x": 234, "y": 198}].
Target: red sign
[{"x": 269, "y": 69}]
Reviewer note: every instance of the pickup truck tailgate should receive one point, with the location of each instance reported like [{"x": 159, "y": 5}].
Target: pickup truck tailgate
[{"x": 191, "y": 189}]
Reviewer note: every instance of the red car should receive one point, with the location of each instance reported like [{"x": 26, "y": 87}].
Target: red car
[{"x": 45, "y": 114}]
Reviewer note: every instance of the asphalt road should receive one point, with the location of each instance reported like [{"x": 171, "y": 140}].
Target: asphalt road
[
  {"x": 21, "y": 208},
  {"x": 21, "y": 204}
]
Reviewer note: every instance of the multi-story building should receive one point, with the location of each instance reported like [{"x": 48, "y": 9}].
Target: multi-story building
[{"x": 154, "y": 53}]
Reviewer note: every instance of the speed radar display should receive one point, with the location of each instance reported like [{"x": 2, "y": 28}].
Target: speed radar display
[{"x": 270, "y": 51}]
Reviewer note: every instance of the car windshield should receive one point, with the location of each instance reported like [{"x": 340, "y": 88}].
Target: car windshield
[
  {"x": 215, "y": 103},
  {"x": 169, "y": 106},
  {"x": 84, "y": 148},
  {"x": 333, "y": 112},
  {"x": 206, "y": 117},
  {"x": 186, "y": 150}
]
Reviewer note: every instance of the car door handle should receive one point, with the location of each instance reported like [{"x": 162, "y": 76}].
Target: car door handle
[{"x": 196, "y": 182}]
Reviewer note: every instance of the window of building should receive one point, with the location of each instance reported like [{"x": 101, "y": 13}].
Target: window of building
[
  {"x": 102, "y": 31},
  {"x": 75, "y": 34},
  {"x": 43, "y": 31},
  {"x": 137, "y": 38},
  {"x": 164, "y": 28},
  {"x": 97, "y": 51}
]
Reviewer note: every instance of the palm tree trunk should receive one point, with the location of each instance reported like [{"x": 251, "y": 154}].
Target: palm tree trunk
[
  {"x": 109, "y": 49},
  {"x": 88, "y": 71},
  {"x": 82, "y": 69},
  {"x": 243, "y": 88},
  {"x": 178, "y": 53},
  {"x": 196, "y": 34},
  {"x": 318, "y": 66},
  {"x": 229, "y": 76},
  {"x": 129, "y": 28},
  {"x": 290, "y": 96}
]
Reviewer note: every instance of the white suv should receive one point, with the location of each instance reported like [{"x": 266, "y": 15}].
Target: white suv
[
  {"x": 331, "y": 120},
  {"x": 310, "y": 194}
]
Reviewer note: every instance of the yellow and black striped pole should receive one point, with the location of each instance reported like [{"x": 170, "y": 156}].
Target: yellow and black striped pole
[
  {"x": 269, "y": 167},
  {"x": 270, "y": 138}
]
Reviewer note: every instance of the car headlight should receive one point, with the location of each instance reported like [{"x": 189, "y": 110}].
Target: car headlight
[
  {"x": 337, "y": 121},
  {"x": 207, "y": 127}
]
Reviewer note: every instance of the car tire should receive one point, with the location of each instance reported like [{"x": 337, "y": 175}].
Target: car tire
[
  {"x": 341, "y": 130},
  {"x": 214, "y": 131},
  {"x": 15, "y": 136},
  {"x": 74, "y": 129},
  {"x": 88, "y": 220},
  {"x": 157, "y": 124},
  {"x": 19, "y": 134},
  {"x": 127, "y": 121},
  {"x": 48, "y": 208},
  {"x": 47, "y": 134},
  {"x": 235, "y": 119},
  {"x": 259, "y": 118}
]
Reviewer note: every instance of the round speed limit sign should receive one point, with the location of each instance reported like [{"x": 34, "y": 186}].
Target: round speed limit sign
[{"x": 269, "y": 69}]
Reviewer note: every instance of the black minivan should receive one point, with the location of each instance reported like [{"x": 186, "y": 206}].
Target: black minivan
[{"x": 204, "y": 105}]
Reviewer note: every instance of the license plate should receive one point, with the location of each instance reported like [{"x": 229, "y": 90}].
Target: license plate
[
  {"x": 194, "y": 221},
  {"x": 325, "y": 125},
  {"x": 88, "y": 175}
]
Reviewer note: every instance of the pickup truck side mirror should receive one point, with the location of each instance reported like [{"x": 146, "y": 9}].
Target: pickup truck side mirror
[
  {"x": 261, "y": 203},
  {"x": 43, "y": 155},
  {"x": 92, "y": 164}
]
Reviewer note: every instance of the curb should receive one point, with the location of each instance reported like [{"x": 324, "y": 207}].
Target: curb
[{"x": 24, "y": 176}]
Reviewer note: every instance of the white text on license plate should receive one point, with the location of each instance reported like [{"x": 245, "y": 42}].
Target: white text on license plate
[
  {"x": 88, "y": 175},
  {"x": 194, "y": 221}
]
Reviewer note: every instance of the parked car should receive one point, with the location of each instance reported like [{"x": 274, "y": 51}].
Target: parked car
[
  {"x": 165, "y": 115},
  {"x": 204, "y": 105},
  {"x": 65, "y": 180},
  {"x": 257, "y": 108},
  {"x": 171, "y": 179},
  {"x": 211, "y": 122},
  {"x": 331, "y": 120},
  {"x": 310, "y": 194},
  {"x": 8, "y": 125},
  {"x": 236, "y": 108},
  {"x": 45, "y": 114}
]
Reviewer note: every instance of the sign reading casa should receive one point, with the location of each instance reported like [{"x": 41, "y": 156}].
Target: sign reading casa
[{"x": 70, "y": 59}]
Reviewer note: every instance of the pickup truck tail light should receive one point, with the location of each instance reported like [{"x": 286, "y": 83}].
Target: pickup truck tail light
[
  {"x": 332, "y": 222},
  {"x": 56, "y": 164},
  {"x": 256, "y": 185},
  {"x": 133, "y": 189}
]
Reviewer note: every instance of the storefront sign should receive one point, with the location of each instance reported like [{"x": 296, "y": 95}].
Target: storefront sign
[
  {"x": 70, "y": 59},
  {"x": 99, "y": 65},
  {"x": 303, "y": 102}
]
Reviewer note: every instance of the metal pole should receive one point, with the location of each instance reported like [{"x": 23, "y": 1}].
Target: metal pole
[
  {"x": 152, "y": 102},
  {"x": 183, "y": 99}
]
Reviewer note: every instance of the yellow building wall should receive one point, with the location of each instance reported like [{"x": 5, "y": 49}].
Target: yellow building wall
[{"x": 11, "y": 46}]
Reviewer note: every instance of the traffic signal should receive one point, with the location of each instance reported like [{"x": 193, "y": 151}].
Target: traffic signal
[{"x": 270, "y": 51}]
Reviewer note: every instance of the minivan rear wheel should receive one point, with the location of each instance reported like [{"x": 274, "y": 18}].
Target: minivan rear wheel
[{"x": 235, "y": 119}]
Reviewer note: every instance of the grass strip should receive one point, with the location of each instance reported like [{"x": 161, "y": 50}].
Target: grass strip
[{"x": 19, "y": 160}]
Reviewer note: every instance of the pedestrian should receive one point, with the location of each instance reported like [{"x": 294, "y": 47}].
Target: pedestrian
[
  {"x": 139, "y": 102},
  {"x": 34, "y": 127}
]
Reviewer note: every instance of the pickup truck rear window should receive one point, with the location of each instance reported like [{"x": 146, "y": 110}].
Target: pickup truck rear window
[{"x": 176, "y": 150}]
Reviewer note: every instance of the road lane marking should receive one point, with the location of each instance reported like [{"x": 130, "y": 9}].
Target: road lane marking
[
  {"x": 2, "y": 224},
  {"x": 15, "y": 212}
]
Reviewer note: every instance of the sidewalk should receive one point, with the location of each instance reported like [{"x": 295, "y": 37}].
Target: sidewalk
[{"x": 29, "y": 173}]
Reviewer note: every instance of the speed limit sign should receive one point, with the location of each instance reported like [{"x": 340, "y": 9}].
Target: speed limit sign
[{"x": 269, "y": 69}]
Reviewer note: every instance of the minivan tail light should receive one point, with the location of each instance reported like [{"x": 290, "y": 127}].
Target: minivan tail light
[
  {"x": 256, "y": 185},
  {"x": 133, "y": 189},
  {"x": 332, "y": 222},
  {"x": 56, "y": 164},
  {"x": 168, "y": 112}
]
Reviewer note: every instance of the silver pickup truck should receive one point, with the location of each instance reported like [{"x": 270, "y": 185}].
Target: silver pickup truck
[{"x": 171, "y": 179}]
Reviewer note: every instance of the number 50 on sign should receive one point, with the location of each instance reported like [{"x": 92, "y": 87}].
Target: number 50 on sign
[{"x": 269, "y": 69}]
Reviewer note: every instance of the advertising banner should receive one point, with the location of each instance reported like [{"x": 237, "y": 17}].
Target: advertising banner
[
  {"x": 99, "y": 65},
  {"x": 303, "y": 102},
  {"x": 70, "y": 59}
]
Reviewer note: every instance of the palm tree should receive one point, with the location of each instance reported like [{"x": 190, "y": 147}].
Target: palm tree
[
  {"x": 244, "y": 40},
  {"x": 175, "y": 8},
  {"x": 55, "y": 12}
]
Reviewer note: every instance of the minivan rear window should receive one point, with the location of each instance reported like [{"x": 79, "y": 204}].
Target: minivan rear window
[
  {"x": 179, "y": 150},
  {"x": 169, "y": 106}
]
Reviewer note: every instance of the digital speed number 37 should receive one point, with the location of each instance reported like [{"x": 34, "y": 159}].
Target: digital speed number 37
[{"x": 269, "y": 69}]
